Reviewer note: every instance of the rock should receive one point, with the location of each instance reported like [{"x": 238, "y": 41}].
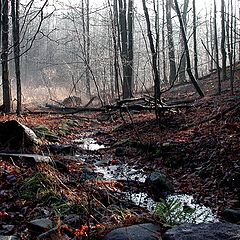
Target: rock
[
  {"x": 40, "y": 225},
  {"x": 14, "y": 135},
  {"x": 64, "y": 149},
  {"x": 87, "y": 174},
  {"x": 60, "y": 166},
  {"x": 204, "y": 231},
  {"x": 32, "y": 158},
  {"x": 158, "y": 186},
  {"x": 45, "y": 132},
  {"x": 120, "y": 152},
  {"x": 145, "y": 231},
  {"x": 8, "y": 228},
  {"x": 73, "y": 220},
  {"x": 9, "y": 237},
  {"x": 232, "y": 215},
  {"x": 53, "y": 234}
]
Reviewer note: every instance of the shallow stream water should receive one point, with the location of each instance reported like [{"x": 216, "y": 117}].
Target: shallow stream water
[{"x": 199, "y": 213}]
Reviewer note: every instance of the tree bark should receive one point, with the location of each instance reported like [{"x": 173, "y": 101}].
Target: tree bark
[
  {"x": 216, "y": 50},
  {"x": 4, "y": 56},
  {"x": 195, "y": 40},
  {"x": 16, "y": 46},
  {"x": 182, "y": 69},
  {"x": 163, "y": 43},
  {"x": 126, "y": 45},
  {"x": 223, "y": 41},
  {"x": 157, "y": 93},
  {"x": 189, "y": 71},
  {"x": 171, "y": 50}
]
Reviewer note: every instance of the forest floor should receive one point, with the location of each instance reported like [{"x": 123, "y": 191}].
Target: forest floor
[{"x": 200, "y": 157}]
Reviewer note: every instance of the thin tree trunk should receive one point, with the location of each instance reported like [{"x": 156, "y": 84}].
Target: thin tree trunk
[
  {"x": 5, "y": 72},
  {"x": 154, "y": 58},
  {"x": 171, "y": 50},
  {"x": 182, "y": 70},
  {"x": 216, "y": 50},
  {"x": 130, "y": 50},
  {"x": 88, "y": 47},
  {"x": 86, "y": 42},
  {"x": 189, "y": 71},
  {"x": 195, "y": 40},
  {"x": 115, "y": 34},
  {"x": 16, "y": 46},
  {"x": 163, "y": 43},
  {"x": 223, "y": 40},
  {"x": 208, "y": 39}
]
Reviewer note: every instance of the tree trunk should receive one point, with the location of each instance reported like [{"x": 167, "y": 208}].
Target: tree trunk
[
  {"x": 171, "y": 50},
  {"x": 216, "y": 46},
  {"x": 129, "y": 79},
  {"x": 223, "y": 40},
  {"x": 195, "y": 40},
  {"x": 5, "y": 72},
  {"x": 126, "y": 49},
  {"x": 182, "y": 69},
  {"x": 154, "y": 58},
  {"x": 163, "y": 43},
  {"x": 115, "y": 34},
  {"x": 86, "y": 43},
  {"x": 189, "y": 71},
  {"x": 16, "y": 46}
]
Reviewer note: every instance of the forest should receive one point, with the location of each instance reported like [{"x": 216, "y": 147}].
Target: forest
[{"x": 119, "y": 119}]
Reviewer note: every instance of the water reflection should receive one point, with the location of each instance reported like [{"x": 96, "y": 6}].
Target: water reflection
[{"x": 89, "y": 144}]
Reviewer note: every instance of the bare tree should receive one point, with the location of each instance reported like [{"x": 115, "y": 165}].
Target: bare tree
[
  {"x": 216, "y": 48},
  {"x": 182, "y": 70},
  {"x": 171, "y": 49},
  {"x": 189, "y": 71},
  {"x": 4, "y": 56},
  {"x": 195, "y": 40},
  {"x": 223, "y": 42},
  {"x": 16, "y": 46},
  {"x": 126, "y": 33},
  {"x": 157, "y": 93},
  {"x": 86, "y": 42}
]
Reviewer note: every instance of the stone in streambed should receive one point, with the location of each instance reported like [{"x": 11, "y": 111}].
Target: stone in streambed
[
  {"x": 204, "y": 231},
  {"x": 145, "y": 231},
  {"x": 40, "y": 225},
  {"x": 232, "y": 215},
  {"x": 158, "y": 185}
]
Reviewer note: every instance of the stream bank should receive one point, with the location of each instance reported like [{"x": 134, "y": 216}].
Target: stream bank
[{"x": 201, "y": 161}]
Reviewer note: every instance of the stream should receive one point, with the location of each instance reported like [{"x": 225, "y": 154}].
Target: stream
[{"x": 177, "y": 202}]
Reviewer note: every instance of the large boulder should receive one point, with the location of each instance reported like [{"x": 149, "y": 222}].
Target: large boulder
[
  {"x": 14, "y": 135},
  {"x": 204, "y": 231},
  {"x": 145, "y": 231},
  {"x": 232, "y": 215},
  {"x": 158, "y": 185}
]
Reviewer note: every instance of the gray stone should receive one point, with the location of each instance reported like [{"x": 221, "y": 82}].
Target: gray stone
[
  {"x": 73, "y": 220},
  {"x": 60, "y": 166},
  {"x": 9, "y": 237},
  {"x": 53, "y": 235},
  {"x": 64, "y": 149},
  {"x": 204, "y": 231},
  {"x": 33, "y": 158},
  {"x": 14, "y": 135},
  {"x": 145, "y": 231},
  {"x": 158, "y": 185},
  {"x": 232, "y": 215},
  {"x": 120, "y": 152},
  {"x": 40, "y": 225}
]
